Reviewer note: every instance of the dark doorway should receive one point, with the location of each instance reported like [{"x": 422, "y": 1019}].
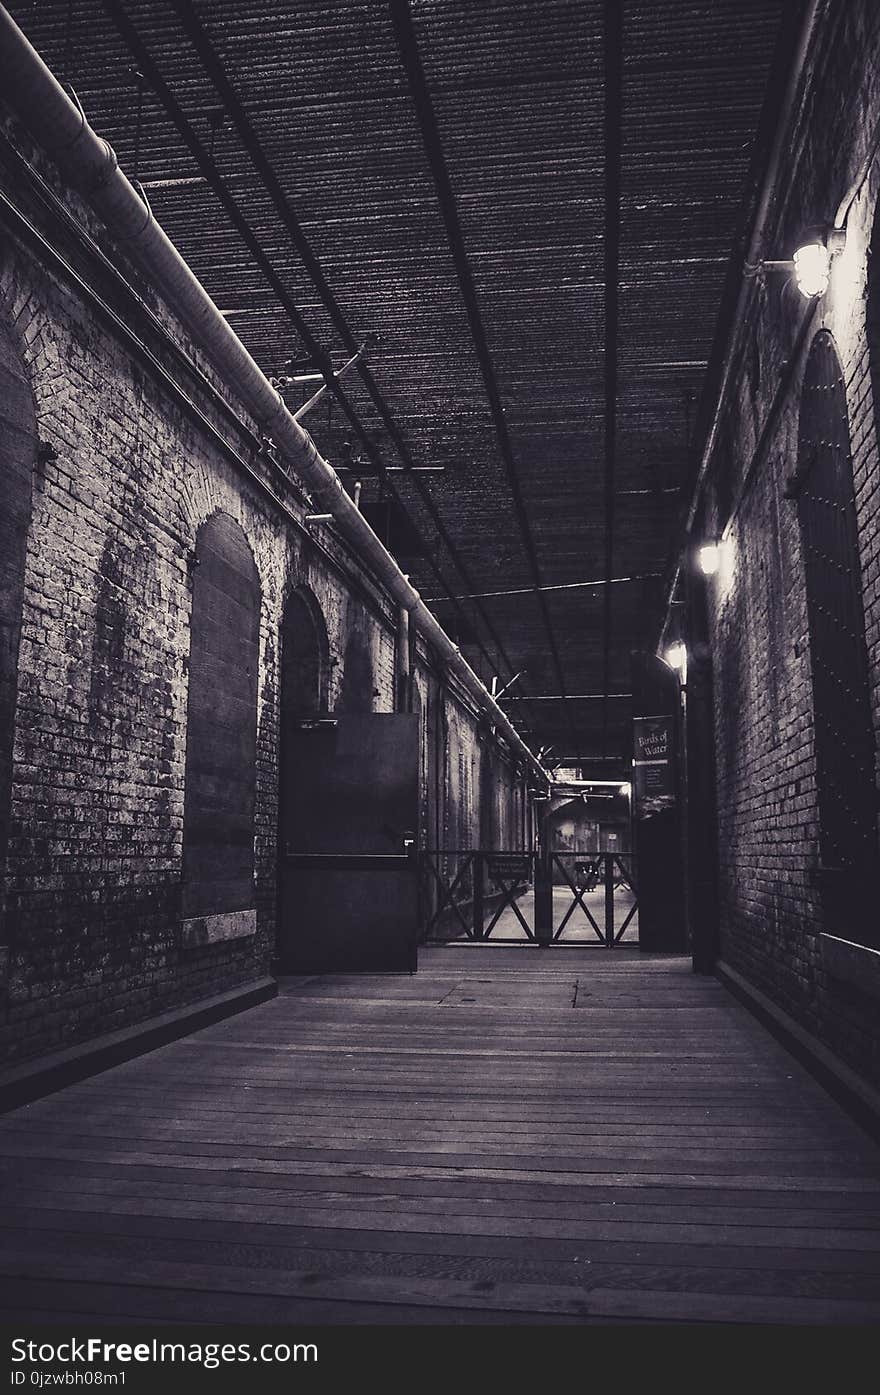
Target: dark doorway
[
  {"x": 349, "y": 867},
  {"x": 221, "y": 737},
  {"x": 304, "y": 659}
]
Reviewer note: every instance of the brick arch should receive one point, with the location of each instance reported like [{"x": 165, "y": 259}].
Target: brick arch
[
  {"x": 220, "y": 789},
  {"x": 18, "y": 452},
  {"x": 200, "y": 496},
  {"x": 305, "y": 654}
]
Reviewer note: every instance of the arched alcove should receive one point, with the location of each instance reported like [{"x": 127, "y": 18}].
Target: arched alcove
[
  {"x": 304, "y": 680},
  {"x": 304, "y": 656},
  {"x": 18, "y": 445},
  {"x": 842, "y": 730},
  {"x": 221, "y": 738},
  {"x": 304, "y": 668}
]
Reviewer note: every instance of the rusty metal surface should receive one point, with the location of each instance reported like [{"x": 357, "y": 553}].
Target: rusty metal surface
[{"x": 517, "y": 92}]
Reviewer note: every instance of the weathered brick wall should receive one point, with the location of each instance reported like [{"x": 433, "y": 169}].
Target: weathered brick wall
[
  {"x": 771, "y": 916},
  {"x": 124, "y": 478}
]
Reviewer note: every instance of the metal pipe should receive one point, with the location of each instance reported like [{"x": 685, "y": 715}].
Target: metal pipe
[
  {"x": 401, "y": 666},
  {"x": 498, "y": 692},
  {"x": 88, "y": 162}
]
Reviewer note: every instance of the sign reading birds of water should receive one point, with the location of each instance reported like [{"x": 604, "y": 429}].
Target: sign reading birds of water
[{"x": 653, "y": 767}]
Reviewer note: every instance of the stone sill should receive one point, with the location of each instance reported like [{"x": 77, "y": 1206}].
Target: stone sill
[
  {"x": 213, "y": 929},
  {"x": 857, "y": 965}
]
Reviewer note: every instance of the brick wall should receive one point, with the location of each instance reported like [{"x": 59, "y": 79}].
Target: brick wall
[
  {"x": 771, "y": 914},
  {"x": 124, "y": 476}
]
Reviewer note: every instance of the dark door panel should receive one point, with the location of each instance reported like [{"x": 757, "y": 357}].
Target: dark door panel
[{"x": 348, "y": 869}]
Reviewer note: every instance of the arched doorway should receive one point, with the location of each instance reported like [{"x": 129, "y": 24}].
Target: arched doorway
[
  {"x": 219, "y": 900},
  {"x": 348, "y": 811},
  {"x": 842, "y": 730}
]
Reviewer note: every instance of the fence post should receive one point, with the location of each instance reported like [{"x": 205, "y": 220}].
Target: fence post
[
  {"x": 478, "y": 895},
  {"x": 608, "y": 859},
  {"x": 544, "y": 894}
]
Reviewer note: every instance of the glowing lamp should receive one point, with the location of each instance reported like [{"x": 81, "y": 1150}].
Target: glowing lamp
[
  {"x": 709, "y": 558},
  {"x": 676, "y": 656},
  {"x": 812, "y": 269}
]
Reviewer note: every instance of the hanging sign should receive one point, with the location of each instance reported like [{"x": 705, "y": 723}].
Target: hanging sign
[
  {"x": 653, "y": 765},
  {"x": 508, "y": 867}
]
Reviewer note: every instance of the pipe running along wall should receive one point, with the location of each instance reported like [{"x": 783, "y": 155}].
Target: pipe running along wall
[{"x": 89, "y": 163}]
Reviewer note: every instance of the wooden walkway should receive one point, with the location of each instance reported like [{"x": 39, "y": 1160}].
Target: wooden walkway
[{"x": 510, "y": 1136}]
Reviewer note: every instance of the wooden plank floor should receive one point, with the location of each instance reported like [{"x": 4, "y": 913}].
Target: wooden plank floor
[{"x": 510, "y": 1136}]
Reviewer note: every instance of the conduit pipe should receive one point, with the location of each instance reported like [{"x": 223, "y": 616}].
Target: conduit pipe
[{"x": 90, "y": 165}]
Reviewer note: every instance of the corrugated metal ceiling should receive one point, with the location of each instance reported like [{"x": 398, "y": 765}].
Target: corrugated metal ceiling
[{"x": 516, "y": 90}]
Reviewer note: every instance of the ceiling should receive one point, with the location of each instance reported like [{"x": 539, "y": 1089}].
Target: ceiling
[{"x": 534, "y": 206}]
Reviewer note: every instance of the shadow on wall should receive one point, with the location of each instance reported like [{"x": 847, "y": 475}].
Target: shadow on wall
[{"x": 358, "y": 683}]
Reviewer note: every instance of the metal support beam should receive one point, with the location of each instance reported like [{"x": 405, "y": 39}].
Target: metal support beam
[
  {"x": 239, "y": 118},
  {"x": 613, "y": 60},
  {"x": 322, "y": 391},
  {"x": 142, "y": 55},
  {"x": 411, "y": 59},
  {"x": 45, "y": 109}
]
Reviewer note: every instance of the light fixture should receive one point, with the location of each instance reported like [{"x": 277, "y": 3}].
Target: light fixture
[
  {"x": 812, "y": 259},
  {"x": 812, "y": 269},
  {"x": 709, "y": 558},
  {"x": 676, "y": 656}
]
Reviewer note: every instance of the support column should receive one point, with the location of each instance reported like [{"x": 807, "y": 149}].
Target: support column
[
  {"x": 701, "y": 814},
  {"x": 402, "y": 670},
  {"x": 544, "y": 879}
]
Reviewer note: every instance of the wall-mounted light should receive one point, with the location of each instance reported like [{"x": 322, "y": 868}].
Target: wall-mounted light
[
  {"x": 812, "y": 259},
  {"x": 709, "y": 558},
  {"x": 676, "y": 656},
  {"x": 812, "y": 269},
  {"x": 716, "y": 559}
]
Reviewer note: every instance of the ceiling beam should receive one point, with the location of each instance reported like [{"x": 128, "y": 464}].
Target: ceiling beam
[
  {"x": 613, "y": 106},
  {"x": 206, "y": 164},
  {"x": 407, "y": 44}
]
